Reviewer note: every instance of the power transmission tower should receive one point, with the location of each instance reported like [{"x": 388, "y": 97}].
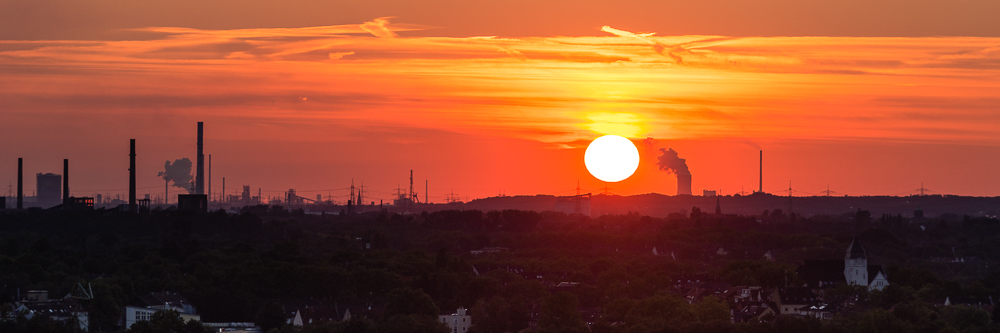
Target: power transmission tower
[
  {"x": 828, "y": 192},
  {"x": 413, "y": 195},
  {"x": 789, "y": 196},
  {"x": 922, "y": 189}
]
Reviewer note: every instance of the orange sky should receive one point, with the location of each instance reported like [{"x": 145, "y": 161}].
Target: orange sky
[{"x": 311, "y": 108}]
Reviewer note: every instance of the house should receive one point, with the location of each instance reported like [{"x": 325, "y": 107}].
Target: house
[
  {"x": 790, "y": 300},
  {"x": 458, "y": 322},
  {"x": 156, "y": 302},
  {"x": 982, "y": 303},
  {"x": 315, "y": 314},
  {"x": 818, "y": 310},
  {"x": 694, "y": 292},
  {"x": 754, "y": 312},
  {"x": 752, "y": 304},
  {"x": 853, "y": 270},
  {"x": 751, "y": 294},
  {"x": 665, "y": 254},
  {"x": 37, "y": 303},
  {"x": 770, "y": 255}
]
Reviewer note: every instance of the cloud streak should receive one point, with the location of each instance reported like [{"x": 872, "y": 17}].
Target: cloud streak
[{"x": 535, "y": 88}]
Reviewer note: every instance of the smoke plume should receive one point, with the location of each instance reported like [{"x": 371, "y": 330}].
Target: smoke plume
[
  {"x": 671, "y": 162},
  {"x": 179, "y": 172}
]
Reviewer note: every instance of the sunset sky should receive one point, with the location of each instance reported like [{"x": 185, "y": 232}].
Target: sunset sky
[{"x": 866, "y": 97}]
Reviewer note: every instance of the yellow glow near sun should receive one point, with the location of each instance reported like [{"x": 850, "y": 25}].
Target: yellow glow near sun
[
  {"x": 621, "y": 124},
  {"x": 611, "y": 158}
]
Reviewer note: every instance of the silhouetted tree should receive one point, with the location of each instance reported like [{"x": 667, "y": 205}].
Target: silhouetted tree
[{"x": 559, "y": 314}]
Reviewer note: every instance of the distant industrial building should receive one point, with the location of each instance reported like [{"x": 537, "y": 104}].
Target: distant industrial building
[
  {"x": 197, "y": 203},
  {"x": 708, "y": 193},
  {"x": 49, "y": 189}
]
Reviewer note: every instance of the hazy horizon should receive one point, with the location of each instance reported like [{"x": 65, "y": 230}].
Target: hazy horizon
[{"x": 312, "y": 106}]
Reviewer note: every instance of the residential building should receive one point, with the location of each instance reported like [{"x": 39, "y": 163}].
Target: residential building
[
  {"x": 156, "y": 302},
  {"x": 458, "y": 322},
  {"x": 65, "y": 309}
]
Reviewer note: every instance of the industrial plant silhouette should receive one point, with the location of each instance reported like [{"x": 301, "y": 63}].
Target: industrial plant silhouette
[{"x": 192, "y": 196}]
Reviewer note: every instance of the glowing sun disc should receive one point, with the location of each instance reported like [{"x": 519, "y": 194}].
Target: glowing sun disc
[{"x": 611, "y": 158}]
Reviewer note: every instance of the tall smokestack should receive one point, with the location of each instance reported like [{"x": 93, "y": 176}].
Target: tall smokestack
[
  {"x": 209, "y": 177},
  {"x": 20, "y": 183},
  {"x": 199, "y": 179},
  {"x": 131, "y": 178},
  {"x": 65, "y": 180},
  {"x": 761, "y": 172}
]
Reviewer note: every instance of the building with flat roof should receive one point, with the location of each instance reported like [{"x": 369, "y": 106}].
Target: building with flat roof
[
  {"x": 49, "y": 189},
  {"x": 458, "y": 322},
  {"x": 156, "y": 302}
]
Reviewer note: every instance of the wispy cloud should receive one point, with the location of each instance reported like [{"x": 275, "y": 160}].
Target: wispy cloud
[
  {"x": 537, "y": 88},
  {"x": 378, "y": 28}
]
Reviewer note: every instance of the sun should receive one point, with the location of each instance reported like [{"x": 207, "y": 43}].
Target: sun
[{"x": 611, "y": 158}]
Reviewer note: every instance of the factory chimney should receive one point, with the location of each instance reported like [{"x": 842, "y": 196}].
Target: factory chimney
[
  {"x": 65, "y": 180},
  {"x": 20, "y": 183},
  {"x": 131, "y": 177},
  {"x": 199, "y": 179},
  {"x": 761, "y": 172}
]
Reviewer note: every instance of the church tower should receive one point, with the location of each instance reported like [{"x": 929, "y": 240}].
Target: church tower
[{"x": 856, "y": 264}]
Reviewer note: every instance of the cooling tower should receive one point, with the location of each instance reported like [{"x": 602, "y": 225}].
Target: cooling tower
[{"x": 684, "y": 184}]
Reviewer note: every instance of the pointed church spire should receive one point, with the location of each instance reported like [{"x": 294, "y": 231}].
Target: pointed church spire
[{"x": 856, "y": 251}]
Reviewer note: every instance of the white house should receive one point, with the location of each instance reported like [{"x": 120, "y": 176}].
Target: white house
[
  {"x": 458, "y": 322},
  {"x": 156, "y": 302}
]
